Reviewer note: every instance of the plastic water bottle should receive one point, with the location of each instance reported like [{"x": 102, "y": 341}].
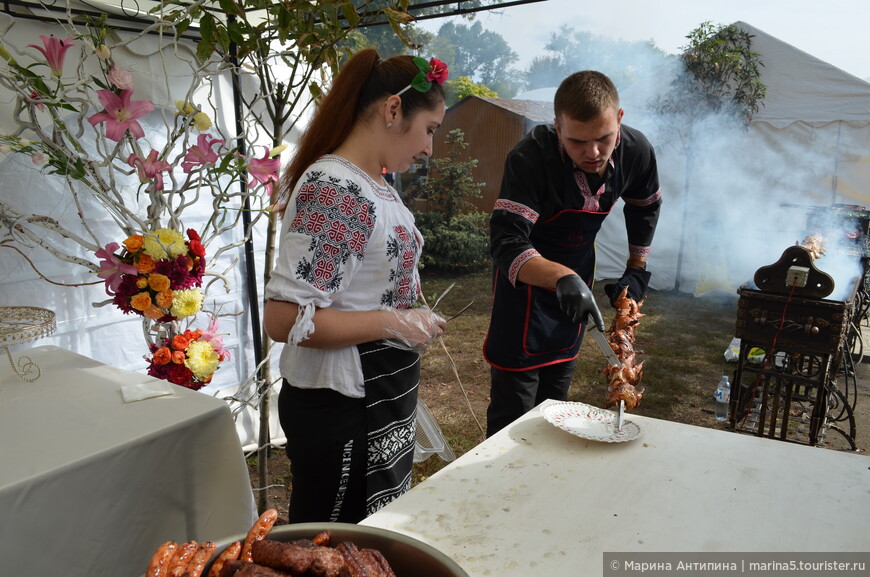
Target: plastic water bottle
[{"x": 723, "y": 398}]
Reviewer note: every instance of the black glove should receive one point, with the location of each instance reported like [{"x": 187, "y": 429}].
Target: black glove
[
  {"x": 576, "y": 300},
  {"x": 635, "y": 279}
]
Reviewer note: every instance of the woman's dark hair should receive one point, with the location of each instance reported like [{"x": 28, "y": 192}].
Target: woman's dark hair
[{"x": 362, "y": 81}]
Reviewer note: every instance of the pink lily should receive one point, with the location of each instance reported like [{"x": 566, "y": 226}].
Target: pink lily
[
  {"x": 201, "y": 153},
  {"x": 217, "y": 341},
  {"x": 111, "y": 267},
  {"x": 34, "y": 99},
  {"x": 264, "y": 170},
  {"x": 54, "y": 52},
  {"x": 150, "y": 167},
  {"x": 121, "y": 114}
]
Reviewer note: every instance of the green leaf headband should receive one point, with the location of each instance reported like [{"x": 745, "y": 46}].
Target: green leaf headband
[{"x": 433, "y": 71}]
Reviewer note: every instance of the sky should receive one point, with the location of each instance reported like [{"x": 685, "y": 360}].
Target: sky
[{"x": 835, "y": 31}]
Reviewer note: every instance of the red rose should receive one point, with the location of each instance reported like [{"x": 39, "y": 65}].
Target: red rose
[
  {"x": 180, "y": 342},
  {"x": 193, "y": 235},
  {"x": 162, "y": 356}
]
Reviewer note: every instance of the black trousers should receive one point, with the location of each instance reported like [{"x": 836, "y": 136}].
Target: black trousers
[{"x": 514, "y": 393}]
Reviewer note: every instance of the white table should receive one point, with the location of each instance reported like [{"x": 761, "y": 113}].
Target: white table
[
  {"x": 536, "y": 500},
  {"x": 91, "y": 485}
]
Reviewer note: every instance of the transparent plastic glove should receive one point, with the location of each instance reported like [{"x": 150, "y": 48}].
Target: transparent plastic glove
[
  {"x": 414, "y": 329},
  {"x": 576, "y": 300}
]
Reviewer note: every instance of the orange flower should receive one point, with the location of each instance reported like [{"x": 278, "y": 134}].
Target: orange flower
[
  {"x": 142, "y": 282},
  {"x": 133, "y": 243},
  {"x": 189, "y": 262},
  {"x": 158, "y": 282},
  {"x": 180, "y": 342},
  {"x": 162, "y": 356},
  {"x": 154, "y": 312},
  {"x": 164, "y": 298},
  {"x": 145, "y": 263},
  {"x": 140, "y": 301},
  {"x": 178, "y": 357}
]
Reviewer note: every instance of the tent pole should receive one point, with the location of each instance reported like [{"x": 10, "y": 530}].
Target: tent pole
[
  {"x": 834, "y": 180},
  {"x": 685, "y": 220},
  {"x": 251, "y": 282}
]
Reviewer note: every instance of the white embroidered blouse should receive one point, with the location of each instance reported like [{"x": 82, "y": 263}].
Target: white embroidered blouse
[{"x": 347, "y": 243}]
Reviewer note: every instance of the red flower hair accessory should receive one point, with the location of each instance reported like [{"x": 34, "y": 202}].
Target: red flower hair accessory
[{"x": 433, "y": 71}]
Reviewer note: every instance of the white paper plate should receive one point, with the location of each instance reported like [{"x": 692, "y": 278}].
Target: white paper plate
[{"x": 589, "y": 422}]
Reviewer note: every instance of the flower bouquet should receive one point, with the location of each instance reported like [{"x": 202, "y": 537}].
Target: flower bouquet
[
  {"x": 157, "y": 275},
  {"x": 188, "y": 359}
]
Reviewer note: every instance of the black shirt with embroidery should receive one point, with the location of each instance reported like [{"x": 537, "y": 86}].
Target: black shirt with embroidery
[{"x": 540, "y": 181}]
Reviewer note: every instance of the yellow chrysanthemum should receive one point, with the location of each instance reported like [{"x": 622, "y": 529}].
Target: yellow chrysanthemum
[
  {"x": 201, "y": 121},
  {"x": 202, "y": 359},
  {"x": 163, "y": 243},
  {"x": 186, "y": 303}
]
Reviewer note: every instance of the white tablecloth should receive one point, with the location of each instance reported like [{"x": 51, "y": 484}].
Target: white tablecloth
[
  {"x": 90, "y": 485},
  {"x": 536, "y": 500}
]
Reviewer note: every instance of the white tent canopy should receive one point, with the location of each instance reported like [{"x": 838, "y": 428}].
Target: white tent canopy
[{"x": 750, "y": 191}]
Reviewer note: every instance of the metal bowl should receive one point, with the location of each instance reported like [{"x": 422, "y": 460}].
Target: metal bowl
[{"x": 407, "y": 556}]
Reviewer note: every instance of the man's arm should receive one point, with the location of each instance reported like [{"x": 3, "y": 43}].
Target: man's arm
[{"x": 543, "y": 273}]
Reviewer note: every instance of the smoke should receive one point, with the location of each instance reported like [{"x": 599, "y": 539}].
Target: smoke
[{"x": 735, "y": 197}]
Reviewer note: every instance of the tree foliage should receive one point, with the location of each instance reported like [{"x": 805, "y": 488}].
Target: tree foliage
[
  {"x": 456, "y": 90},
  {"x": 720, "y": 74},
  {"x": 286, "y": 45},
  {"x": 451, "y": 188},
  {"x": 482, "y": 55},
  {"x": 568, "y": 51},
  {"x": 455, "y": 231}
]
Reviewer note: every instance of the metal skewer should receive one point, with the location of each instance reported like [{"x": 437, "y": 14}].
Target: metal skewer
[{"x": 621, "y": 416}]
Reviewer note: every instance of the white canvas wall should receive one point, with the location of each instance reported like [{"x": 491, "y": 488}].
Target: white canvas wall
[{"x": 104, "y": 333}]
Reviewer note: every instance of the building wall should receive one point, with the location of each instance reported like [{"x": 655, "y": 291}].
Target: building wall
[{"x": 491, "y": 132}]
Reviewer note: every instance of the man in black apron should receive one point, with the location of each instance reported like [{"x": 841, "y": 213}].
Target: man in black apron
[{"x": 560, "y": 182}]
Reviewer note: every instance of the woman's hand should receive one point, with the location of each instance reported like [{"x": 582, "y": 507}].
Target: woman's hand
[
  {"x": 415, "y": 329},
  {"x": 411, "y": 329}
]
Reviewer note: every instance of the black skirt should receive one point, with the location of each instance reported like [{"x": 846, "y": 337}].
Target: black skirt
[{"x": 350, "y": 457}]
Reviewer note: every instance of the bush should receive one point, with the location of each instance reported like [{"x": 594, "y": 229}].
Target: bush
[{"x": 459, "y": 244}]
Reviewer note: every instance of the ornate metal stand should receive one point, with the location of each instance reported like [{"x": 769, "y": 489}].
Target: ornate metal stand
[
  {"x": 19, "y": 325},
  {"x": 793, "y": 395}
]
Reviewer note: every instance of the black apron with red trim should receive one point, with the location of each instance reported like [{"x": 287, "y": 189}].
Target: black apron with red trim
[{"x": 528, "y": 330}]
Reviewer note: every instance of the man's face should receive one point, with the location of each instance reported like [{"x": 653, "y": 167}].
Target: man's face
[{"x": 589, "y": 144}]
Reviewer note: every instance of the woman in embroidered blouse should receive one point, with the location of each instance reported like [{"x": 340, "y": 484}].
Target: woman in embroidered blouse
[{"x": 343, "y": 286}]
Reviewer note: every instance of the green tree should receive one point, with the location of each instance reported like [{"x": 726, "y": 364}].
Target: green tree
[
  {"x": 381, "y": 35},
  {"x": 455, "y": 231},
  {"x": 457, "y": 89},
  {"x": 719, "y": 80},
  {"x": 568, "y": 51},
  {"x": 545, "y": 71},
  {"x": 719, "y": 74},
  {"x": 451, "y": 188},
  {"x": 482, "y": 55}
]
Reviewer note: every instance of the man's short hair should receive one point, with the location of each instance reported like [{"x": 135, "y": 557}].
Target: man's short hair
[{"x": 585, "y": 95}]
